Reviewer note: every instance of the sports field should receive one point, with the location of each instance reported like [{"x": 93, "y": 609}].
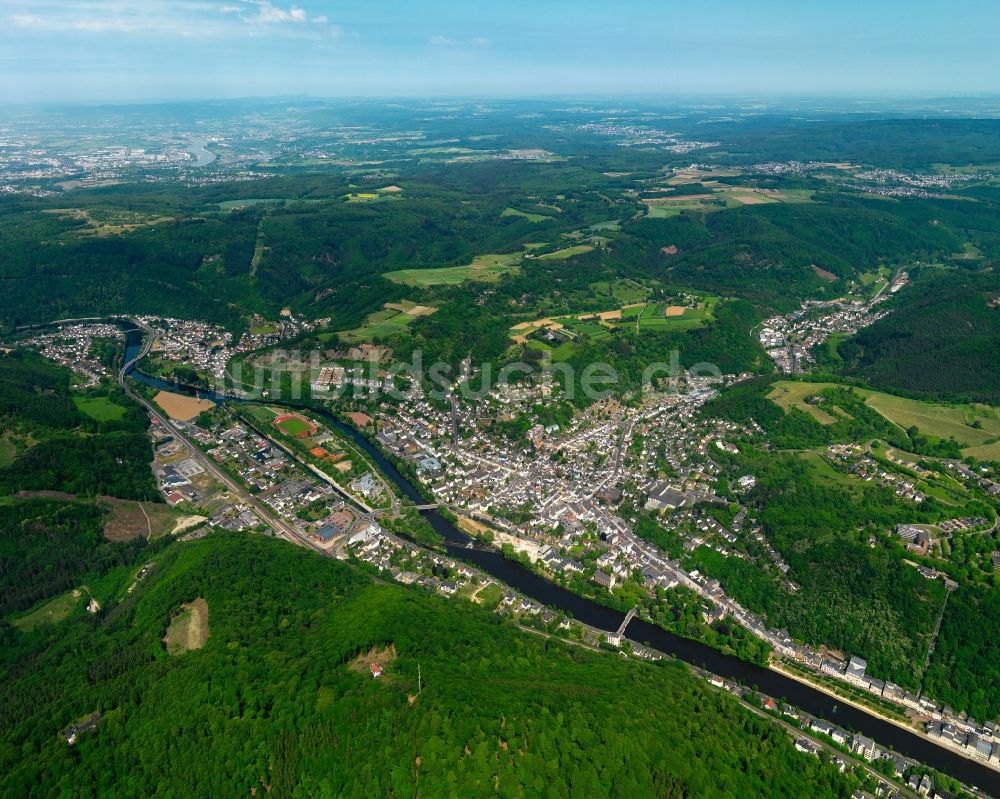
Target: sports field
[
  {"x": 294, "y": 425},
  {"x": 262, "y": 413}
]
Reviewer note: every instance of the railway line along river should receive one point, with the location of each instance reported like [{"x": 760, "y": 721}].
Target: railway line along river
[{"x": 773, "y": 683}]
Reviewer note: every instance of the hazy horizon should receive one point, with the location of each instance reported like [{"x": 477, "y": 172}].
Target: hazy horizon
[{"x": 191, "y": 50}]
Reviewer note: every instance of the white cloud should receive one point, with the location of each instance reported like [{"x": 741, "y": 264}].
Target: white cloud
[
  {"x": 188, "y": 18},
  {"x": 269, "y": 14},
  {"x": 444, "y": 41}
]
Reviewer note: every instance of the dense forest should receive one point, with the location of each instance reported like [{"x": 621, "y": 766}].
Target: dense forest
[
  {"x": 280, "y": 700},
  {"x": 271, "y": 703},
  {"x": 49, "y": 546},
  {"x": 850, "y": 596},
  {"x": 56, "y": 447},
  {"x": 942, "y": 340},
  {"x": 767, "y": 253},
  {"x": 966, "y": 653}
]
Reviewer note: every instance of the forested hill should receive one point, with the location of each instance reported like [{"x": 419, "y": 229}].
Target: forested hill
[
  {"x": 279, "y": 703},
  {"x": 48, "y": 443},
  {"x": 941, "y": 342}
]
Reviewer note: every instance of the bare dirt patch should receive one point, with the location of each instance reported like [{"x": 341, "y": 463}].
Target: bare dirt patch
[
  {"x": 675, "y": 310},
  {"x": 421, "y": 310},
  {"x": 472, "y": 526},
  {"x": 46, "y": 494},
  {"x": 128, "y": 520},
  {"x": 360, "y": 419},
  {"x": 822, "y": 274},
  {"x": 188, "y": 629},
  {"x": 181, "y": 408},
  {"x": 606, "y": 316},
  {"x": 186, "y": 523}
]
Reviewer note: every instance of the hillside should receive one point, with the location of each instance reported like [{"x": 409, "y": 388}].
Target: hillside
[
  {"x": 278, "y": 700},
  {"x": 941, "y": 341},
  {"x": 48, "y": 443}
]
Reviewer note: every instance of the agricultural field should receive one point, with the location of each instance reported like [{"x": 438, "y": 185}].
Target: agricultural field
[
  {"x": 394, "y": 318},
  {"x": 566, "y": 252},
  {"x": 524, "y": 215},
  {"x": 385, "y": 193},
  {"x": 239, "y": 205},
  {"x": 969, "y": 425},
  {"x": 720, "y": 199},
  {"x": 790, "y": 394},
  {"x": 181, "y": 407},
  {"x": 665, "y": 316},
  {"x": 693, "y": 174},
  {"x": 667, "y": 207},
  {"x": 975, "y": 427},
  {"x": 556, "y": 333},
  {"x": 487, "y": 268},
  {"x": 101, "y": 222}
]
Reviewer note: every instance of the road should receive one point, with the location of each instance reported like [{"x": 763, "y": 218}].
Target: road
[
  {"x": 798, "y": 732},
  {"x": 280, "y": 527}
]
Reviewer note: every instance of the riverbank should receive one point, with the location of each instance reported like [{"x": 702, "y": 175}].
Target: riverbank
[
  {"x": 776, "y": 666},
  {"x": 809, "y": 698}
]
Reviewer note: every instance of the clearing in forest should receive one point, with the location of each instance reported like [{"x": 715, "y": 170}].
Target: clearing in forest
[
  {"x": 188, "y": 629},
  {"x": 382, "y": 657}
]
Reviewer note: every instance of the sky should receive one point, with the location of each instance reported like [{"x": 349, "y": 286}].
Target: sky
[{"x": 147, "y": 50}]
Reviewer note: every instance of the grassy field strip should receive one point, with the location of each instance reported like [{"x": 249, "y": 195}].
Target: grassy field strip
[
  {"x": 489, "y": 267},
  {"x": 566, "y": 252},
  {"x": 51, "y": 612},
  {"x": 100, "y": 408},
  {"x": 933, "y": 419}
]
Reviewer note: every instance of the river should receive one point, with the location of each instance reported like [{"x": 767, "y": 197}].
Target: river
[
  {"x": 202, "y": 155},
  {"x": 773, "y": 683}
]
